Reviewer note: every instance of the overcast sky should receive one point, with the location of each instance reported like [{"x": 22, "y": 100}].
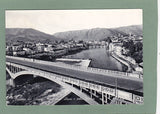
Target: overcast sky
[{"x": 52, "y": 21}]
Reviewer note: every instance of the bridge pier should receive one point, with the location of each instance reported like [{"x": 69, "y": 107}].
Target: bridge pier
[{"x": 11, "y": 82}]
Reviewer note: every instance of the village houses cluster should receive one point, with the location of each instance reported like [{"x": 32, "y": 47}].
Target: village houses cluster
[{"x": 57, "y": 49}]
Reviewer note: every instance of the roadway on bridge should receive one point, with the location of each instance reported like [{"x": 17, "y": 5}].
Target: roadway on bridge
[{"x": 123, "y": 83}]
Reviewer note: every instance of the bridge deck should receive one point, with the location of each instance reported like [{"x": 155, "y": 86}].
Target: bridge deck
[{"x": 123, "y": 83}]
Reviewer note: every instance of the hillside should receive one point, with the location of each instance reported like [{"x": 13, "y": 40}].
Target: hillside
[
  {"x": 99, "y": 33},
  {"x": 27, "y": 34}
]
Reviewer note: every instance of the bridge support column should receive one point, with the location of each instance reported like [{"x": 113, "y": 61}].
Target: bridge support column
[
  {"x": 91, "y": 92},
  {"x": 106, "y": 98},
  {"x": 95, "y": 92},
  {"x": 16, "y": 69},
  {"x": 120, "y": 101},
  {"x": 20, "y": 69},
  {"x": 80, "y": 88},
  {"x": 11, "y": 68},
  {"x": 109, "y": 97},
  {"x": 11, "y": 82},
  {"x": 117, "y": 102},
  {"x": 102, "y": 98}
]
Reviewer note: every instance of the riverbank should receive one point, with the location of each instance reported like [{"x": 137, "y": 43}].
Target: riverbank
[{"x": 122, "y": 61}]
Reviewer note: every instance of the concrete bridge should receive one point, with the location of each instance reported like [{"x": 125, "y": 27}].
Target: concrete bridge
[{"x": 95, "y": 86}]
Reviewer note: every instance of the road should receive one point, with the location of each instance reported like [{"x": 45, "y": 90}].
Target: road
[{"x": 130, "y": 85}]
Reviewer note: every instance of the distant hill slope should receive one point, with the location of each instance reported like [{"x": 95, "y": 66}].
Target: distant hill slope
[
  {"x": 27, "y": 34},
  {"x": 99, "y": 33}
]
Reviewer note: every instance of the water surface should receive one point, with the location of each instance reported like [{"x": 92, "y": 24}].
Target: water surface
[{"x": 100, "y": 58}]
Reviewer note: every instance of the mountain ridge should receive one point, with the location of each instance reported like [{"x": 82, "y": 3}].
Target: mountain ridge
[
  {"x": 29, "y": 34},
  {"x": 99, "y": 33}
]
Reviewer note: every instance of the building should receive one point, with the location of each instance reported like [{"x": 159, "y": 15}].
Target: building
[
  {"x": 9, "y": 49},
  {"x": 17, "y": 48},
  {"x": 60, "y": 52},
  {"x": 19, "y": 53},
  {"x": 40, "y": 47},
  {"x": 111, "y": 47},
  {"x": 125, "y": 51},
  {"x": 48, "y": 49},
  {"x": 27, "y": 49},
  {"x": 118, "y": 49}
]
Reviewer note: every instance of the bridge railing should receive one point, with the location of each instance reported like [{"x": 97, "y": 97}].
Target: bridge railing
[{"x": 82, "y": 68}]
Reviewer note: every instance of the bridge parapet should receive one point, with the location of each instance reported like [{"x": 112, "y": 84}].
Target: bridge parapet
[{"x": 82, "y": 68}]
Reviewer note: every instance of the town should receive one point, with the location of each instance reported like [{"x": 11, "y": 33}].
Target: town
[{"x": 127, "y": 49}]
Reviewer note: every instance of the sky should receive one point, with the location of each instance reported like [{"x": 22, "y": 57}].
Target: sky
[{"x": 53, "y": 21}]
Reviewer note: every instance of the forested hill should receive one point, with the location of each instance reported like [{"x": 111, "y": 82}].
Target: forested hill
[
  {"x": 99, "y": 33},
  {"x": 28, "y": 34}
]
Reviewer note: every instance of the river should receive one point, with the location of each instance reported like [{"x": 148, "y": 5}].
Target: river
[{"x": 100, "y": 58}]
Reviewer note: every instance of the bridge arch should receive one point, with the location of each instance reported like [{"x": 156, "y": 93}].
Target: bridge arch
[{"x": 72, "y": 89}]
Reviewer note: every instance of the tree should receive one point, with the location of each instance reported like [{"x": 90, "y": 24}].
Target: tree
[
  {"x": 138, "y": 56},
  {"x": 130, "y": 46},
  {"x": 138, "y": 46}
]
